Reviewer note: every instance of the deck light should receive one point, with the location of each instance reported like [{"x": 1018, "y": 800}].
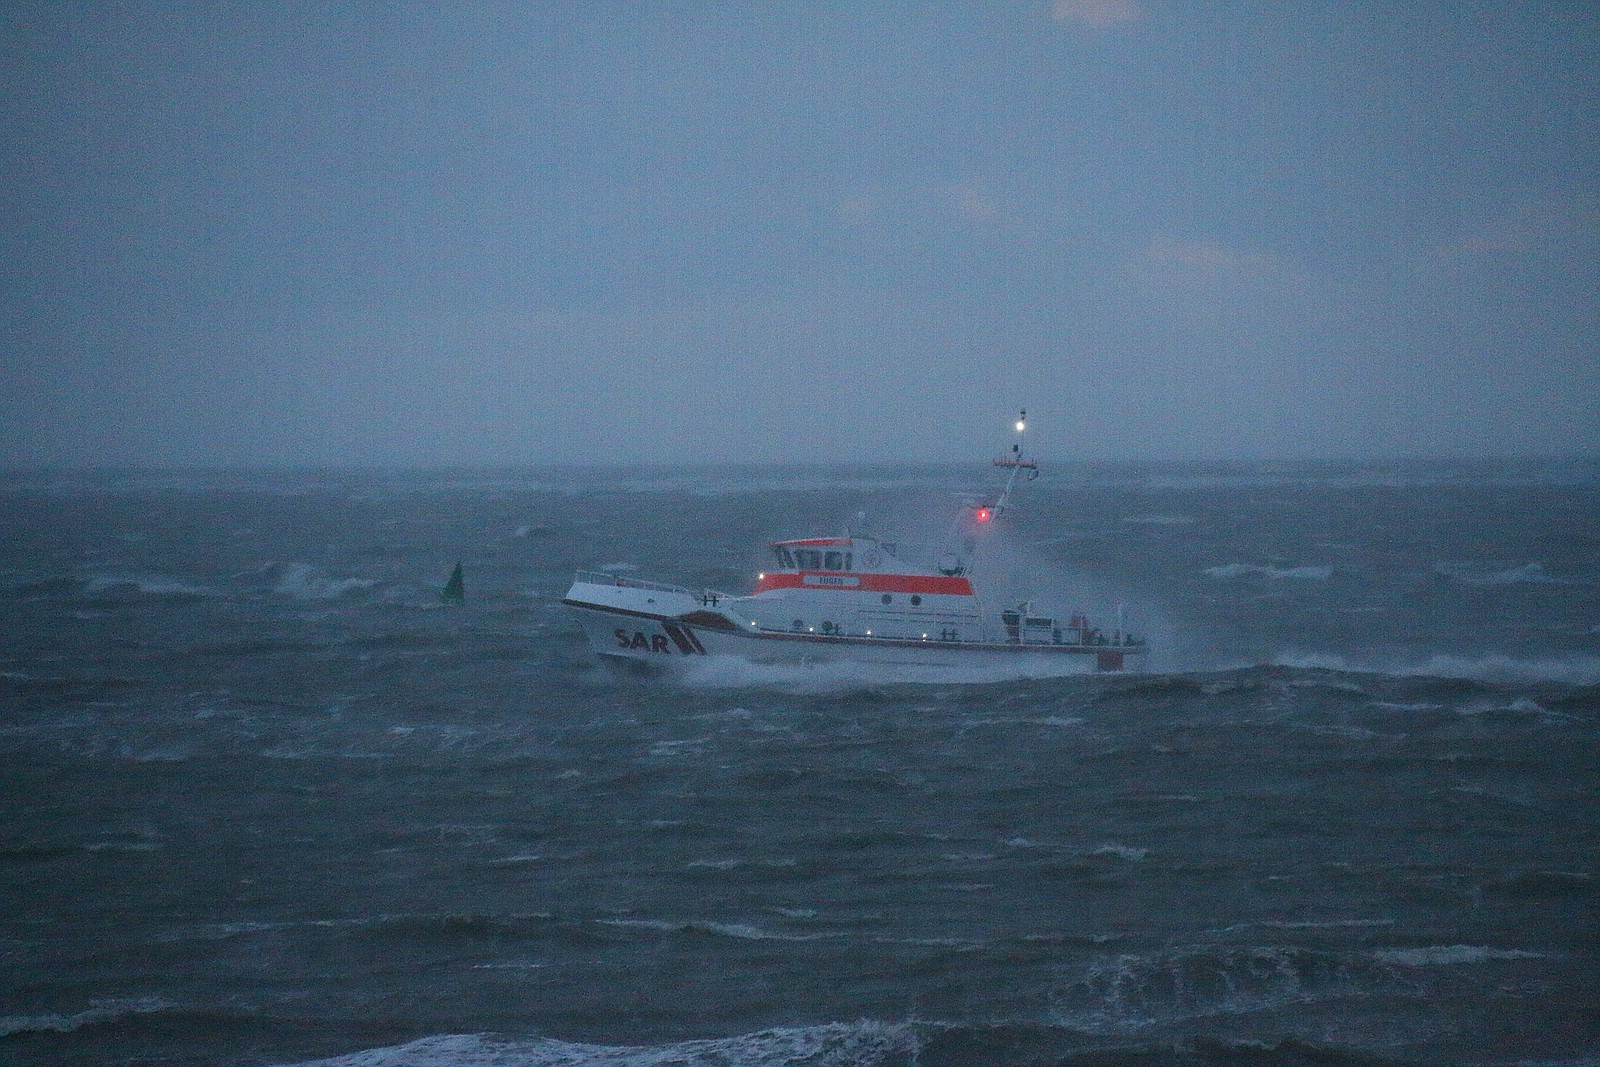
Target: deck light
[{"x": 984, "y": 514}]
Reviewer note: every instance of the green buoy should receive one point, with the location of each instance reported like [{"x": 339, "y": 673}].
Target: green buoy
[{"x": 455, "y": 590}]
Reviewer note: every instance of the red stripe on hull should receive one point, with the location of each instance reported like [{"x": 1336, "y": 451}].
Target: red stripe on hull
[{"x": 867, "y": 583}]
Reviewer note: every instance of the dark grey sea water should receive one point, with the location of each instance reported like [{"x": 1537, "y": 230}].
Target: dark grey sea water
[{"x": 264, "y": 800}]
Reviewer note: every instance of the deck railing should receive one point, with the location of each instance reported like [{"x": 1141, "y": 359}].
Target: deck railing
[{"x": 623, "y": 582}]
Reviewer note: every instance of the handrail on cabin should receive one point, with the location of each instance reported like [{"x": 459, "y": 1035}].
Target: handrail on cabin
[{"x": 623, "y": 582}]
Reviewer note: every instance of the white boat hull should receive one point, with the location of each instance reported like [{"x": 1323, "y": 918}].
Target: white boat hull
[{"x": 663, "y": 628}]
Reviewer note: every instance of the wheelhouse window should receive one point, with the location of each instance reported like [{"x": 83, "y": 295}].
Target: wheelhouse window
[{"x": 815, "y": 559}]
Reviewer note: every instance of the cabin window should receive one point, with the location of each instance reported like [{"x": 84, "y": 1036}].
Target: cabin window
[
  {"x": 809, "y": 559},
  {"x": 834, "y": 561}
]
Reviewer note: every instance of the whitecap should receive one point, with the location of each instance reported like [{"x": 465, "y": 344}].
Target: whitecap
[
  {"x": 1161, "y": 520},
  {"x": 1474, "y": 574},
  {"x": 99, "y": 1011},
  {"x": 306, "y": 582},
  {"x": 1566, "y": 670},
  {"x": 1452, "y": 955},
  {"x": 1579, "y": 669},
  {"x": 862, "y": 1044},
  {"x": 1244, "y": 570},
  {"x": 1126, "y": 852},
  {"x": 123, "y": 585}
]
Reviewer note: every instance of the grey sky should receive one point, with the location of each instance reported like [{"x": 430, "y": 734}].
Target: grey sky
[{"x": 495, "y": 232}]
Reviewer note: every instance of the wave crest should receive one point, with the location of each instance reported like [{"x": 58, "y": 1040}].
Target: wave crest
[
  {"x": 859, "y": 1044},
  {"x": 306, "y": 582},
  {"x": 1320, "y": 572},
  {"x": 99, "y": 1012},
  {"x": 1578, "y": 669}
]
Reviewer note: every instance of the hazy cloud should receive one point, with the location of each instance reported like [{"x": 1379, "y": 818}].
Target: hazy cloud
[
  {"x": 1097, "y": 13},
  {"x": 974, "y": 205},
  {"x": 524, "y": 234},
  {"x": 1203, "y": 259},
  {"x": 1543, "y": 227},
  {"x": 1183, "y": 269}
]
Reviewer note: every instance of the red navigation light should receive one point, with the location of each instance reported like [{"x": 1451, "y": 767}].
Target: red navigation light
[{"x": 984, "y": 514}]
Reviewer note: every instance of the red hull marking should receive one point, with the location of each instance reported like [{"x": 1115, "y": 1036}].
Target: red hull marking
[
  {"x": 817, "y": 542},
  {"x": 869, "y": 583}
]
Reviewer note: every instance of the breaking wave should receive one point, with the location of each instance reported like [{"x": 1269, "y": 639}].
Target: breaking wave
[
  {"x": 1131, "y": 993},
  {"x": 1527, "y": 574},
  {"x": 1248, "y": 570},
  {"x": 1452, "y": 955},
  {"x": 98, "y": 1013},
  {"x": 1581, "y": 670},
  {"x": 306, "y": 582},
  {"x": 130, "y": 585},
  {"x": 860, "y": 1044}
]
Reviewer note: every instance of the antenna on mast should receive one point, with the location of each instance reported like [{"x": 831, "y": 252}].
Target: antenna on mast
[{"x": 1017, "y": 463}]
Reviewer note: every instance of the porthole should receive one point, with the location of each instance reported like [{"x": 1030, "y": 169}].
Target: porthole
[
  {"x": 916, "y": 601},
  {"x": 887, "y": 598}
]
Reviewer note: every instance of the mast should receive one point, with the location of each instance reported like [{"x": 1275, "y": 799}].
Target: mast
[{"x": 1017, "y": 463}]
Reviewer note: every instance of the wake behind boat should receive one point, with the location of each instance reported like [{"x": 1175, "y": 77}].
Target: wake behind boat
[{"x": 854, "y": 598}]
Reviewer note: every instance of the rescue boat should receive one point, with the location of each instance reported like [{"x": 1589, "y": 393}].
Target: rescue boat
[{"x": 855, "y": 597}]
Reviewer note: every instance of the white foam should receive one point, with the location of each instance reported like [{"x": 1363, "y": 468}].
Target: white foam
[
  {"x": 861, "y": 1044},
  {"x": 739, "y": 931},
  {"x": 1244, "y": 570},
  {"x": 1020, "y": 720},
  {"x": 1126, "y": 852},
  {"x": 1452, "y": 955},
  {"x": 1533, "y": 573},
  {"x": 145, "y": 584},
  {"x": 100, "y": 1011},
  {"x": 1578, "y": 669},
  {"x": 306, "y": 582},
  {"x": 1527, "y": 574},
  {"x": 1161, "y": 520},
  {"x": 1567, "y": 670}
]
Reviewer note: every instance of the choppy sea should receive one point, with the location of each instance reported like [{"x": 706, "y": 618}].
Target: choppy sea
[{"x": 264, "y": 799}]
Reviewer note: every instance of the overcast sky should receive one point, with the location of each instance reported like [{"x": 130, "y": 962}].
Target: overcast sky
[{"x": 542, "y": 232}]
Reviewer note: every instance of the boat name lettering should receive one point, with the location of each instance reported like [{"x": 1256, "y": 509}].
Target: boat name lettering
[
  {"x": 638, "y": 641},
  {"x": 680, "y": 636},
  {"x": 826, "y": 579}
]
